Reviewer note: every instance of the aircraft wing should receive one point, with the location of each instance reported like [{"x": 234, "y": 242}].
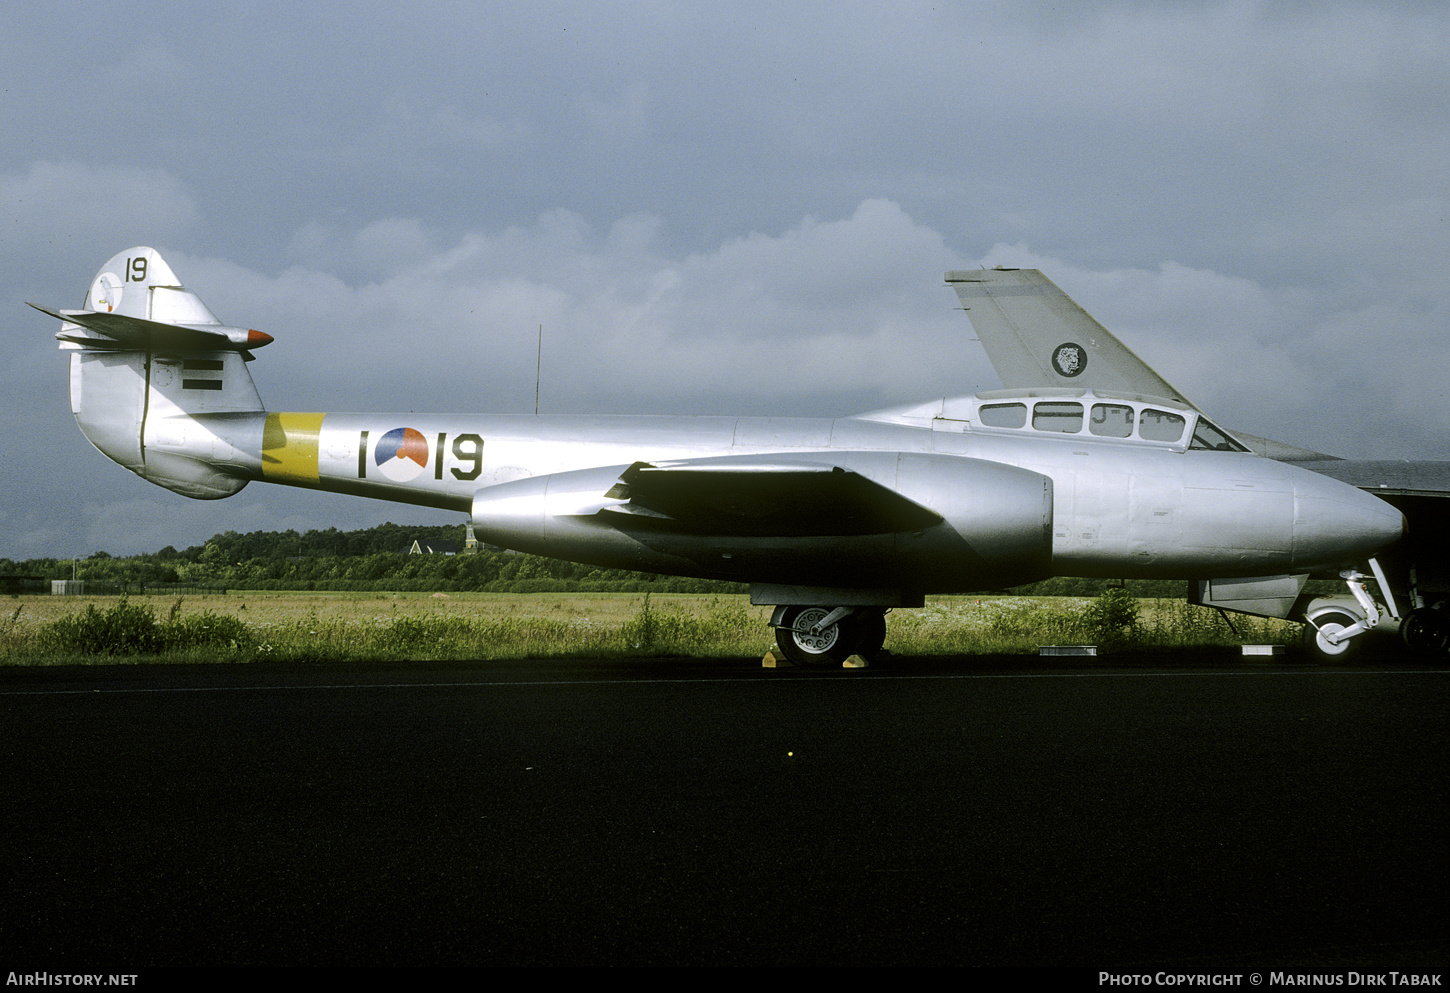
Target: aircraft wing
[
  {"x": 1036, "y": 335},
  {"x": 762, "y": 499},
  {"x": 1391, "y": 478}
]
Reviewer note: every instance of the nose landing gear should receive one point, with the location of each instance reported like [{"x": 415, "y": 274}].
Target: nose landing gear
[
  {"x": 1333, "y": 628},
  {"x": 1325, "y": 635}
]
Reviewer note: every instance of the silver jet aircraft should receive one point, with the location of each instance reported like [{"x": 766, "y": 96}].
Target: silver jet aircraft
[
  {"x": 833, "y": 521},
  {"x": 1034, "y": 333}
]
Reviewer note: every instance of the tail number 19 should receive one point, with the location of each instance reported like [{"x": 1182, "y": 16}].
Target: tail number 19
[{"x": 467, "y": 450}]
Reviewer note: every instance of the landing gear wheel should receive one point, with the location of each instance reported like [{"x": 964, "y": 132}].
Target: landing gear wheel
[
  {"x": 830, "y": 645},
  {"x": 1320, "y": 647},
  {"x": 873, "y": 636},
  {"x": 1426, "y": 630}
]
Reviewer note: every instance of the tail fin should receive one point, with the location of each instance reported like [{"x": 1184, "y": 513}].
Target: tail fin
[
  {"x": 1035, "y": 335},
  {"x": 156, "y": 380}
]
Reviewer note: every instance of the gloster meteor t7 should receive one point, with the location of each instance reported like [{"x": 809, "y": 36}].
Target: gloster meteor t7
[{"x": 833, "y": 521}]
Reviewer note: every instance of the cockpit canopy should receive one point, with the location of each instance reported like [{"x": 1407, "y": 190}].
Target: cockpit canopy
[{"x": 1096, "y": 414}]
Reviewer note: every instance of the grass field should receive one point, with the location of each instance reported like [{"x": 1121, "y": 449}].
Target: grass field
[{"x": 247, "y": 626}]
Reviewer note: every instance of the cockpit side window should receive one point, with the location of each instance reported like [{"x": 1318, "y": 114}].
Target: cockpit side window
[
  {"x": 1160, "y": 425},
  {"x": 1003, "y": 415},
  {"x": 1207, "y": 437},
  {"x": 1057, "y": 416},
  {"x": 1111, "y": 420}
]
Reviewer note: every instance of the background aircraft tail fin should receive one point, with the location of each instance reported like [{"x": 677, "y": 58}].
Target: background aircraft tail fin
[
  {"x": 1036, "y": 335},
  {"x": 155, "y": 378}
]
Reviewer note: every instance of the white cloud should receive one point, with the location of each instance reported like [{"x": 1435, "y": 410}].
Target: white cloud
[
  {"x": 825, "y": 317},
  {"x": 822, "y": 313}
]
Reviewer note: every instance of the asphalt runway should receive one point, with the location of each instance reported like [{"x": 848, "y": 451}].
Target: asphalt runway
[{"x": 1174, "y": 813}]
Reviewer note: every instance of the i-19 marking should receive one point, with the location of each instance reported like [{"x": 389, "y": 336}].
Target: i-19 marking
[{"x": 467, "y": 448}]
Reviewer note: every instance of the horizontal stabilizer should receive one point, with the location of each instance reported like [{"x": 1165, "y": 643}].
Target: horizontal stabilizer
[
  {"x": 775, "y": 499},
  {"x": 136, "y": 333}
]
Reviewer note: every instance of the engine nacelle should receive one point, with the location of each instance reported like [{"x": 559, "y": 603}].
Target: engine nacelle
[
  {"x": 975, "y": 524},
  {"x": 997, "y": 522}
]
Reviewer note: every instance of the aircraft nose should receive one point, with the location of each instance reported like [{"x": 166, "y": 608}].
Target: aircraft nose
[{"x": 1337, "y": 525}]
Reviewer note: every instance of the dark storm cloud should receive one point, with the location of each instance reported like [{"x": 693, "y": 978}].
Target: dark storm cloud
[{"x": 724, "y": 208}]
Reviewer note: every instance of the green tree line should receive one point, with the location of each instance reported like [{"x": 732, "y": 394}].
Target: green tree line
[
  {"x": 376, "y": 559},
  {"x": 373, "y": 559}
]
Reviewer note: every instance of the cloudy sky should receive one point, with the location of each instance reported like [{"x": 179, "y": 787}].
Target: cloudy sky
[{"x": 721, "y": 208}]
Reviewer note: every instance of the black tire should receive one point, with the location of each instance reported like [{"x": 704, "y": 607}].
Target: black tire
[
  {"x": 1318, "y": 646},
  {"x": 1426, "y": 631},
  {"x": 830, "y": 646},
  {"x": 873, "y": 636}
]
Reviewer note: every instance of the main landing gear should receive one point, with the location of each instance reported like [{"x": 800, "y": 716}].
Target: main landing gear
[
  {"x": 821, "y": 636},
  {"x": 1427, "y": 629}
]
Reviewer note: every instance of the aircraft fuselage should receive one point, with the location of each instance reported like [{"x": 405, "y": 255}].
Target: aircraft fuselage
[{"x": 1114, "y": 507}]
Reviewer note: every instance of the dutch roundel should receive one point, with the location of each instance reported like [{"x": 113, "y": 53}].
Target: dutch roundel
[{"x": 401, "y": 454}]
